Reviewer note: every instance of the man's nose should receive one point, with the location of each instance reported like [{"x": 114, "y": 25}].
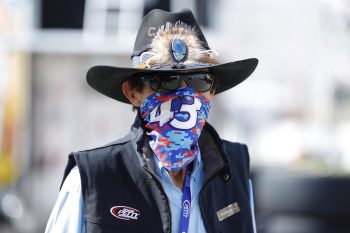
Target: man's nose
[{"x": 183, "y": 83}]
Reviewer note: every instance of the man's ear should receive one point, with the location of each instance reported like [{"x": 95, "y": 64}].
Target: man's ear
[{"x": 130, "y": 94}]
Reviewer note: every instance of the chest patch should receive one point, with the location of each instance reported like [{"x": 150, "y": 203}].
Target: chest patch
[
  {"x": 125, "y": 213},
  {"x": 228, "y": 211}
]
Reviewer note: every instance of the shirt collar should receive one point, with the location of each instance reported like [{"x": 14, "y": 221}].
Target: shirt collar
[{"x": 160, "y": 170}]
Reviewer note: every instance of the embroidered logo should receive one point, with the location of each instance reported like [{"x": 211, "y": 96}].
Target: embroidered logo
[
  {"x": 125, "y": 212},
  {"x": 228, "y": 211},
  {"x": 152, "y": 31}
]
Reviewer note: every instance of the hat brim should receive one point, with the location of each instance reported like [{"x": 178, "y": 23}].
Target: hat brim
[{"x": 108, "y": 80}]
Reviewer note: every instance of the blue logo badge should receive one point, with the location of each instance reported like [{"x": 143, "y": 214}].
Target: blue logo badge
[{"x": 179, "y": 50}]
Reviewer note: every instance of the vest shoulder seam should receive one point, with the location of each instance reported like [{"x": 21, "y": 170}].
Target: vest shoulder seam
[{"x": 115, "y": 143}]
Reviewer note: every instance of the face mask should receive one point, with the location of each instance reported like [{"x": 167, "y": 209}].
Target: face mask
[{"x": 174, "y": 122}]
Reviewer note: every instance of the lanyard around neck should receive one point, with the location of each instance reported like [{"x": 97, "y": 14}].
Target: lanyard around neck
[{"x": 186, "y": 201}]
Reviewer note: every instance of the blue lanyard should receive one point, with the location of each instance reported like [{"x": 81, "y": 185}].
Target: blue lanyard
[{"x": 186, "y": 202}]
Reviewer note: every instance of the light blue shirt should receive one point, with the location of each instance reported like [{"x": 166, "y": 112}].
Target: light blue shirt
[
  {"x": 174, "y": 194},
  {"x": 67, "y": 215}
]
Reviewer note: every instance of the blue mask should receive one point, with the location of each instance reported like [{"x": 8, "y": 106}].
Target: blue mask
[{"x": 174, "y": 121}]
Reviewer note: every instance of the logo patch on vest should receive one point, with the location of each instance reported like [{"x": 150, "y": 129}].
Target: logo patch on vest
[{"x": 125, "y": 212}]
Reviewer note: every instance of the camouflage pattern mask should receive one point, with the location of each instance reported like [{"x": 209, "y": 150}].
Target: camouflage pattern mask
[{"x": 174, "y": 121}]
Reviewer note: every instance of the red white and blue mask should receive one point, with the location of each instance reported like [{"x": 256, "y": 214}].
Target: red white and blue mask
[{"x": 174, "y": 121}]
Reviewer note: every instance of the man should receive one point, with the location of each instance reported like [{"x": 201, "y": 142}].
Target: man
[{"x": 172, "y": 172}]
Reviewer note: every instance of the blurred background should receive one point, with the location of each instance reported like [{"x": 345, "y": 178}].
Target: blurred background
[{"x": 293, "y": 112}]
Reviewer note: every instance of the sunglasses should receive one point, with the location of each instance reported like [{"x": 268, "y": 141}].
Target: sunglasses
[{"x": 200, "y": 82}]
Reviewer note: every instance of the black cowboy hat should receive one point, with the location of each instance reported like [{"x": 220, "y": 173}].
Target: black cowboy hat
[{"x": 108, "y": 80}]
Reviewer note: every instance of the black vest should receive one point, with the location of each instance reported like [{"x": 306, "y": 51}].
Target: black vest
[{"x": 122, "y": 194}]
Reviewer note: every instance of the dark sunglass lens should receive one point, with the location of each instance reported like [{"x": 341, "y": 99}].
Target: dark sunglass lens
[
  {"x": 169, "y": 83},
  {"x": 154, "y": 83},
  {"x": 200, "y": 82}
]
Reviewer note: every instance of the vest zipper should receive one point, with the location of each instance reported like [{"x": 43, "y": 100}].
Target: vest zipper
[{"x": 163, "y": 191}]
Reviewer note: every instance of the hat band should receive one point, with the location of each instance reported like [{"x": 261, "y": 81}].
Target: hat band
[{"x": 137, "y": 63}]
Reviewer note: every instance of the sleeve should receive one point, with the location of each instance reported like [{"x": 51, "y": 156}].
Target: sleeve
[
  {"x": 67, "y": 215},
  {"x": 251, "y": 198}
]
